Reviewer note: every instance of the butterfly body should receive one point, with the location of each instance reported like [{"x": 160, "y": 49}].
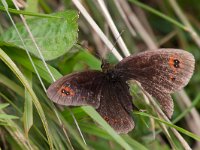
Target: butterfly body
[{"x": 160, "y": 73}]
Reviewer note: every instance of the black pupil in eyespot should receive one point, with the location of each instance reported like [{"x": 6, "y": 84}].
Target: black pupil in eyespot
[
  {"x": 176, "y": 63},
  {"x": 65, "y": 92}
]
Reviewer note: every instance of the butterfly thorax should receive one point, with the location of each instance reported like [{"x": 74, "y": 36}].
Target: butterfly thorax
[{"x": 110, "y": 73}]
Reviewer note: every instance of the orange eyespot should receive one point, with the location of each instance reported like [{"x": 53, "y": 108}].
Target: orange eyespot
[
  {"x": 174, "y": 63},
  {"x": 67, "y": 91}
]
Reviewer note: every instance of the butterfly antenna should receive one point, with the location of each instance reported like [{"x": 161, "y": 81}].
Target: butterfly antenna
[
  {"x": 114, "y": 44},
  {"x": 117, "y": 40}
]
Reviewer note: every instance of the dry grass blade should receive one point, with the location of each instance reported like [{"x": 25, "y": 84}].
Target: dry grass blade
[
  {"x": 193, "y": 118},
  {"x": 96, "y": 28},
  {"x": 181, "y": 15},
  {"x": 138, "y": 26},
  {"x": 162, "y": 115},
  {"x": 113, "y": 28},
  {"x": 123, "y": 15}
]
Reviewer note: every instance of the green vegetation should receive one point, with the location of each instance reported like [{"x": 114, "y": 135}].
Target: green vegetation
[{"x": 57, "y": 37}]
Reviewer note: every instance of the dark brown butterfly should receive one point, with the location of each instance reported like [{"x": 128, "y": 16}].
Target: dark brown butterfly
[{"x": 160, "y": 73}]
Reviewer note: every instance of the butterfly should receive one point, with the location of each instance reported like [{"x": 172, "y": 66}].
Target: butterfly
[{"x": 160, "y": 73}]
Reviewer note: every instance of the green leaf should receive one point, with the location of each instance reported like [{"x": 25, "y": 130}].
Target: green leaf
[
  {"x": 21, "y": 57},
  {"x": 53, "y": 36},
  {"x": 79, "y": 61}
]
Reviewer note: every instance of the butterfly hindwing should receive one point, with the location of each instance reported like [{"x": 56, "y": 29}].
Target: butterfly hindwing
[
  {"x": 115, "y": 107},
  {"x": 164, "y": 99},
  {"x": 77, "y": 89},
  {"x": 160, "y": 72}
]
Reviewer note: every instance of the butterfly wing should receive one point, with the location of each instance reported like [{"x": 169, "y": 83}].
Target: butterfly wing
[
  {"x": 115, "y": 106},
  {"x": 160, "y": 73},
  {"x": 77, "y": 89}
]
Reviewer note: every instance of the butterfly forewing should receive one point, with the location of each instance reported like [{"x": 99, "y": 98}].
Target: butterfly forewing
[
  {"x": 77, "y": 89},
  {"x": 162, "y": 71}
]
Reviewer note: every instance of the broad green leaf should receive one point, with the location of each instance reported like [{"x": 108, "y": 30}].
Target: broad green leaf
[
  {"x": 79, "y": 61},
  {"x": 21, "y": 57},
  {"x": 54, "y": 36}
]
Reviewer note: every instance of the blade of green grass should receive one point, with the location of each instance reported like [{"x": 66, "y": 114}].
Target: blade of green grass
[
  {"x": 12, "y": 85},
  {"x": 4, "y": 105},
  {"x": 9, "y": 101},
  {"x": 15, "y": 131},
  {"x": 28, "y": 108},
  {"x": 5, "y": 116},
  {"x": 194, "y": 103},
  {"x": 14, "y": 11},
  {"x": 156, "y": 12},
  {"x": 4, "y": 57},
  {"x": 194, "y": 136}
]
